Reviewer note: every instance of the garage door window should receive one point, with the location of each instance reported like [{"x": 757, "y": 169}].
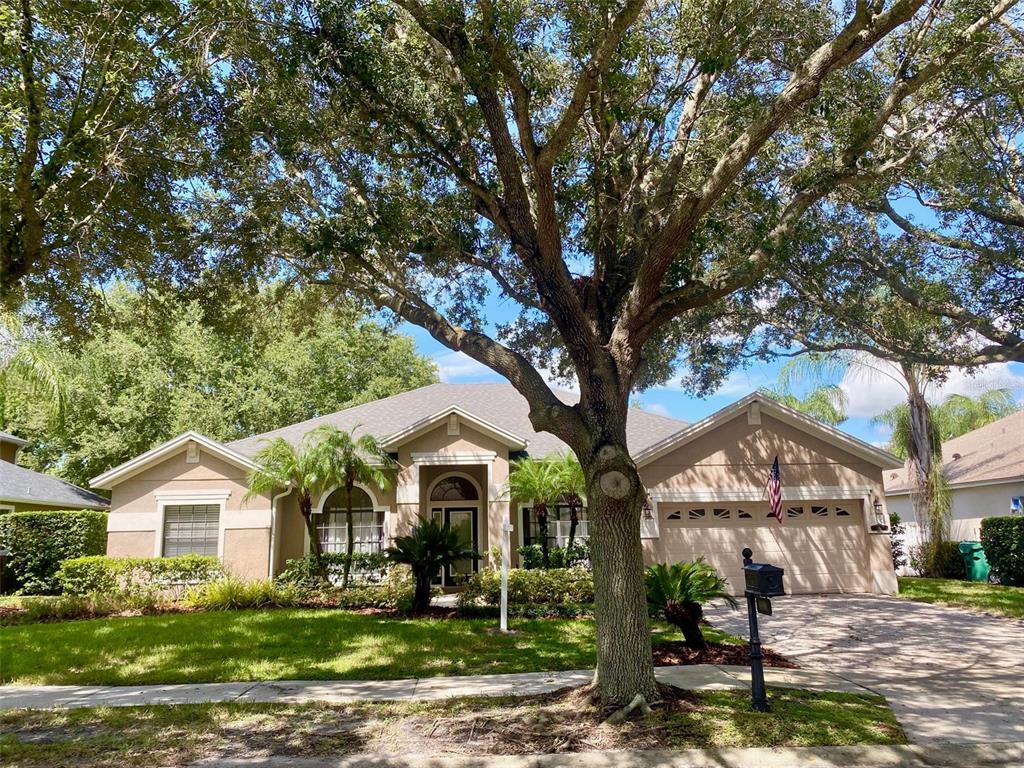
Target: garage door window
[{"x": 191, "y": 529}]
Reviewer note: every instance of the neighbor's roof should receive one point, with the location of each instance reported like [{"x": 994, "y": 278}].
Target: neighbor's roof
[
  {"x": 494, "y": 407},
  {"x": 7, "y": 437},
  {"x": 24, "y": 486},
  {"x": 990, "y": 454}
]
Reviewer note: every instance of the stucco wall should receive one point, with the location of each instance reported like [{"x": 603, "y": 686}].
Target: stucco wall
[
  {"x": 135, "y": 509},
  {"x": 730, "y": 464}
]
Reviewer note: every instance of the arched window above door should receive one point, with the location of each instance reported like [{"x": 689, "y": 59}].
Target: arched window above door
[{"x": 454, "y": 488}]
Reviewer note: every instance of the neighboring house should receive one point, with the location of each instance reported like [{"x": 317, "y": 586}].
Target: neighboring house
[
  {"x": 22, "y": 489},
  {"x": 454, "y": 444},
  {"x": 985, "y": 469}
]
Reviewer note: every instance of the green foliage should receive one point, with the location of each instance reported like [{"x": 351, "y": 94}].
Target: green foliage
[
  {"x": 30, "y": 366},
  {"x": 531, "y": 556},
  {"x": 680, "y": 583},
  {"x": 567, "y": 587},
  {"x": 70, "y": 607},
  {"x": 396, "y": 592},
  {"x": 232, "y": 594},
  {"x": 39, "y": 541},
  {"x": 368, "y": 566},
  {"x": 137, "y": 577},
  {"x": 826, "y": 402},
  {"x": 955, "y": 416},
  {"x": 896, "y": 541},
  {"x": 428, "y": 548},
  {"x": 937, "y": 560},
  {"x": 247, "y": 365},
  {"x": 1003, "y": 541}
]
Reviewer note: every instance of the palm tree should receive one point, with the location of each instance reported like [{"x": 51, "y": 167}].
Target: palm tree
[
  {"x": 359, "y": 461},
  {"x": 919, "y": 433},
  {"x": 826, "y": 402},
  {"x": 427, "y": 549},
  {"x": 536, "y": 481},
  {"x": 960, "y": 414},
  {"x": 572, "y": 489},
  {"x": 679, "y": 591},
  {"x": 308, "y": 470},
  {"x": 29, "y": 360}
]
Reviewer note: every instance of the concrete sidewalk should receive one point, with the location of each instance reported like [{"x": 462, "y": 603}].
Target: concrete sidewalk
[
  {"x": 914, "y": 756},
  {"x": 697, "y": 677}
]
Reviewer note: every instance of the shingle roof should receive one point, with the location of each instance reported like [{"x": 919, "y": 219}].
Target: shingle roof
[
  {"x": 988, "y": 454},
  {"x": 494, "y": 403},
  {"x": 25, "y": 485}
]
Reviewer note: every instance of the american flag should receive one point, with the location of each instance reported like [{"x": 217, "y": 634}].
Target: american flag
[{"x": 775, "y": 491}]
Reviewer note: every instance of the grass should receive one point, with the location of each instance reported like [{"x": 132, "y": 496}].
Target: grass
[
  {"x": 290, "y": 644},
  {"x": 990, "y": 598},
  {"x": 166, "y": 735}
]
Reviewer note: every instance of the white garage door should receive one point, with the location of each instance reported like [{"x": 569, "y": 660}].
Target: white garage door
[{"x": 821, "y": 544}]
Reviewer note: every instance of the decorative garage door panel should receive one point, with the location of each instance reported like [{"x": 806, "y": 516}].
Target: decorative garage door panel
[{"x": 821, "y": 544}]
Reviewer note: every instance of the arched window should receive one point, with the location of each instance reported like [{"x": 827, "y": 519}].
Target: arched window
[
  {"x": 454, "y": 488},
  {"x": 367, "y": 523}
]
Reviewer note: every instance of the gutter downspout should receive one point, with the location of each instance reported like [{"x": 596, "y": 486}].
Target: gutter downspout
[{"x": 273, "y": 529}]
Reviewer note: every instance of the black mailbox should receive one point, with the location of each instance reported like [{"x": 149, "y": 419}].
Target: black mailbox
[{"x": 763, "y": 580}]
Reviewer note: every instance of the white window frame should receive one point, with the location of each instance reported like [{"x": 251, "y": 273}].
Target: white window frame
[
  {"x": 166, "y": 499},
  {"x": 520, "y": 508},
  {"x": 377, "y": 507}
]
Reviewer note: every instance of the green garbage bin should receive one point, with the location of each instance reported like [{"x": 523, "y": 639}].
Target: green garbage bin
[{"x": 976, "y": 566}]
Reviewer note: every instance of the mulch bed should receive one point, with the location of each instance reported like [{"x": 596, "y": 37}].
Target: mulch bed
[{"x": 677, "y": 653}]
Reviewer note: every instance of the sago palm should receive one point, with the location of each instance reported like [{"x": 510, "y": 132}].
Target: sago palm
[
  {"x": 429, "y": 547},
  {"x": 679, "y": 591},
  {"x": 359, "y": 461}
]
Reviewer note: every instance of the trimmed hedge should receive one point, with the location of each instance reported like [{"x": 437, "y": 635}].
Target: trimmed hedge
[
  {"x": 370, "y": 567},
  {"x": 554, "y": 586},
  {"x": 39, "y": 541},
  {"x": 531, "y": 556},
  {"x": 1003, "y": 541},
  {"x": 136, "y": 577}
]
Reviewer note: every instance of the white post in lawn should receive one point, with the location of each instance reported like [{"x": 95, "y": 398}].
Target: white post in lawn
[{"x": 506, "y": 534}]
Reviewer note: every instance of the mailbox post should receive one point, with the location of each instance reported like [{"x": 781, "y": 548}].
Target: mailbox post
[{"x": 762, "y": 582}]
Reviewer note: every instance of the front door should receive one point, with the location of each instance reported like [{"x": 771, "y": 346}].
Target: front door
[{"x": 462, "y": 520}]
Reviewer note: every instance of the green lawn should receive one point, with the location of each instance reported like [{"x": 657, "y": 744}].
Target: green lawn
[
  {"x": 166, "y": 735},
  {"x": 288, "y": 644},
  {"x": 991, "y": 598}
]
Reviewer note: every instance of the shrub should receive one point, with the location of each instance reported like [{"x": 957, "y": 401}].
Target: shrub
[
  {"x": 1003, "y": 540},
  {"x": 531, "y": 556},
  {"x": 366, "y": 566},
  {"x": 396, "y": 592},
  {"x": 896, "y": 544},
  {"x": 564, "y": 586},
  {"x": 947, "y": 562},
  {"x": 68, "y": 607},
  {"x": 428, "y": 548},
  {"x": 230, "y": 594},
  {"x": 39, "y": 541},
  {"x": 137, "y": 577},
  {"x": 561, "y": 611},
  {"x": 679, "y": 591}
]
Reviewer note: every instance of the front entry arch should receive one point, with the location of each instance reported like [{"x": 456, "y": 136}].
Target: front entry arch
[{"x": 455, "y": 500}]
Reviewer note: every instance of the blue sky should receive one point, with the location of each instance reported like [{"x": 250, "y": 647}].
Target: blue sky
[{"x": 868, "y": 393}]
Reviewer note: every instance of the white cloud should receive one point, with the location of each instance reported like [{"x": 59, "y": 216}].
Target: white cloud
[
  {"x": 657, "y": 409},
  {"x": 742, "y": 382},
  {"x": 871, "y": 390},
  {"x": 455, "y": 367}
]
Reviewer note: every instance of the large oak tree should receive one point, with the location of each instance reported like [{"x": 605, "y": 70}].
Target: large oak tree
[{"x": 648, "y": 181}]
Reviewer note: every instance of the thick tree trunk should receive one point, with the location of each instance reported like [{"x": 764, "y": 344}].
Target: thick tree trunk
[{"x": 615, "y": 496}]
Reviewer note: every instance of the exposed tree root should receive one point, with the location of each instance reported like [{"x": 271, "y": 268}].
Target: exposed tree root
[{"x": 639, "y": 702}]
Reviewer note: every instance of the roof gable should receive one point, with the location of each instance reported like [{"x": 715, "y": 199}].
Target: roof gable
[
  {"x": 755, "y": 403},
  {"x": 422, "y": 426},
  {"x": 122, "y": 472}
]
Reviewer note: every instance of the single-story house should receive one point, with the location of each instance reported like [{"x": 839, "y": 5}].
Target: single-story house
[
  {"x": 22, "y": 489},
  {"x": 985, "y": 470},
  {"x": 454, "y": 444}
]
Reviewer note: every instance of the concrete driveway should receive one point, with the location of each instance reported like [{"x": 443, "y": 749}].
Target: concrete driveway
[{"x": 949, "y": 674}]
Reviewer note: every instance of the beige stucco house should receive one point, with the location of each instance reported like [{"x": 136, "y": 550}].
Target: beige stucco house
[
  {"x": 985, "y": 470},
  {"x": 454, "y": 444}
]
